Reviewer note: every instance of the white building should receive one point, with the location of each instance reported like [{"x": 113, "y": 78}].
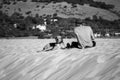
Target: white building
[
  {"x": 41, "y": 27},
  {"x": 107, "y": 35},
  {"x": 97, "y": 35},
  {"x": 15, "y": 25},
  {"x": 117, "y": 34}
]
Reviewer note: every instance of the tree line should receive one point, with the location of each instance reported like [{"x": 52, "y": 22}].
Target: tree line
[{"x": 63, "y": 26}]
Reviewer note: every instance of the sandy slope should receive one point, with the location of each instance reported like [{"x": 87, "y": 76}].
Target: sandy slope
[{"x": 20, "y": 61}]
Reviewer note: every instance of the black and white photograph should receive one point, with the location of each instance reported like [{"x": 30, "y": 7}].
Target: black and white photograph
[{"x": 59, "y": 39}]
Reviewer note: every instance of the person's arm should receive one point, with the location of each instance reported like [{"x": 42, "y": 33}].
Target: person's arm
[
  {"x": 59, "y": 46},
  {"x": 92, "y": 35},
  {"x": 76, "y": 34},
  {"x": 63, "y": 46}
]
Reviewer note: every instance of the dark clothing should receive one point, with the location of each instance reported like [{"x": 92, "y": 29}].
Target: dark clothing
[
  {"x": 77, "y": 45},
  {"x": 52, "y": 45}
]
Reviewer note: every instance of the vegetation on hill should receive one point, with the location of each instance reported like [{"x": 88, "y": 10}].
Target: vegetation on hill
[
  {"x": 63, "y": 26},
  {"x": 93, "y": 3},
  {"x": 63, "y": 9},
  {"x": 102, "y": 5}
]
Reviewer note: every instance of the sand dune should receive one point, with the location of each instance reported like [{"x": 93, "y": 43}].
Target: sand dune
[{"x": 19, "y": 60}]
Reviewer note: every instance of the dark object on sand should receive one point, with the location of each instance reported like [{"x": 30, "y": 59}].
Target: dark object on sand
[
  {"x": 94, "y": 43},
  {"x": 77, "y": 45}
]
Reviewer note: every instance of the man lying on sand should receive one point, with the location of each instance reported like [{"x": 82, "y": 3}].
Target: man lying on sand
[{"x": 59, "y": 44}]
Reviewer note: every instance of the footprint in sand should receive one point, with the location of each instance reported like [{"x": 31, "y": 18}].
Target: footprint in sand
[{"x": 101, "y": 59}]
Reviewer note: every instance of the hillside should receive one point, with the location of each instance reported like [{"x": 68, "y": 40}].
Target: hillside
[
  {"x": 63, "y": 9},
  {"x": 113, "y": 2}
]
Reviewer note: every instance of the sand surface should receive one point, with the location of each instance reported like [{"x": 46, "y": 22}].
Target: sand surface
[{"x": 19, "y": 60}]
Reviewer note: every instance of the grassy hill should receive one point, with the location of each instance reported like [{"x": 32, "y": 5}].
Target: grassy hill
[
  {"x": 28, "y": 13},
  {"x": 63, "y": 9},
  {"x": 113, "y": 2}
]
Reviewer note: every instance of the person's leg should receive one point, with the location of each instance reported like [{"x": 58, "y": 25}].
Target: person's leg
[{"x": 76, "y": 45}]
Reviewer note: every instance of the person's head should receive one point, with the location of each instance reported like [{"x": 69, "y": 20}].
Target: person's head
[
  {"x": 78, "y": 23},
  {"x": 58, "y": 39},
  {"x": 83, "y": 23}
]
